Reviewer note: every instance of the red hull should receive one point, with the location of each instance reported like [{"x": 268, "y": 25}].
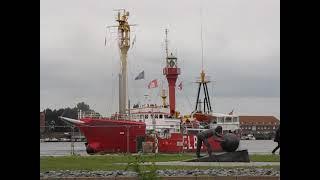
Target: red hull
[
  {"x": 184, "y": 143},
  {"x": 120, "y": 136},
  {"x": 107, "y": 135}
]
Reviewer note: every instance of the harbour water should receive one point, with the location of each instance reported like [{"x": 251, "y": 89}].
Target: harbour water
[{"x": 64, "y": 148}]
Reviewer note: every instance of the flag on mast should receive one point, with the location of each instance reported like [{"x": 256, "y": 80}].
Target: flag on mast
[
  {"x": 180, "y": 86},
  {"x": 153, "y": 84},
  {"x": 140, "y": 76}
]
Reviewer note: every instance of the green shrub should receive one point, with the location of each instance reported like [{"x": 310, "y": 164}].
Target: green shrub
[{"x": 144, "y": 172}]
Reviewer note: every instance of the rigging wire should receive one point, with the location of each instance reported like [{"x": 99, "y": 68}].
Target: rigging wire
[
  {"x": 212, "y": 101},
  {"x": 109, "y": 43},
  {"x": 184, "y": 94}
]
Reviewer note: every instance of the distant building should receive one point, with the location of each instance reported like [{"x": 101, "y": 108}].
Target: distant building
[
  {"x": 42, "y": 122},
  {"x": 262, "y": 127}
]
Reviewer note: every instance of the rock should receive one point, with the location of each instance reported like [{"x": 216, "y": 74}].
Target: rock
[
  {"x": 211, "y": 172},
  {"x": 268, "y": 172}
]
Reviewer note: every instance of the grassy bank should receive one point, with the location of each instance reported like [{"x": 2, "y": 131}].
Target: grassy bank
[{"x": 105, "y": 162}]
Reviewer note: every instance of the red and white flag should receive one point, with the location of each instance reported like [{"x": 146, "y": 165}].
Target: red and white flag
[
  {"x": 153, "y": 84},
  {"x": 180, "y": 86}
]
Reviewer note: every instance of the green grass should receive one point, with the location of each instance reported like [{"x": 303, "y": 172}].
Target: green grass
[
  {"x": 105, "y": 162},
  {"x": 264, "y": 158}
]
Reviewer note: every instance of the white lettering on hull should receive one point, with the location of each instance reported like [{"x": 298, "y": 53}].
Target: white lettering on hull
[{"x": 190, "y": 144}]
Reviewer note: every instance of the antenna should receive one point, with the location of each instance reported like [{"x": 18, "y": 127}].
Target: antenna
[
  {"x": 166, "y": 31},
  {"x": 201, "y": 39}
]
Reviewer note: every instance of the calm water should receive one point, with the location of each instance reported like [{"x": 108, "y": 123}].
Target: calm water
[{"x": 64, "y": 148}]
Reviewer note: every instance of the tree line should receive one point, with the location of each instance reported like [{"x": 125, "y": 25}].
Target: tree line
[{"x": 53, "y": 123}]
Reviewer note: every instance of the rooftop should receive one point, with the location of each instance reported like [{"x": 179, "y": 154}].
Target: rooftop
[{"x": 258, "y": 119}]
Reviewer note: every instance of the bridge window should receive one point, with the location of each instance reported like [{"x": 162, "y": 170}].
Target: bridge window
[
  {"x": 156, "y": 116},
  {"x": 160, "y": 116},
  {"x": 228, "y": 119},
  {"x": 235, "y": 119}
]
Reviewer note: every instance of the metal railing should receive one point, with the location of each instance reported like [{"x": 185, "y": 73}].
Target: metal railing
[{"x": 67, "y": 134}]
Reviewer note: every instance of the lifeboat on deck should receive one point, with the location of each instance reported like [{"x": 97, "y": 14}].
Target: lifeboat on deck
[{"x": 203, "y": 117}]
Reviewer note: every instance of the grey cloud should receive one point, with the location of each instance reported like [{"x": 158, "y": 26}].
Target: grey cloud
[{"x": 241, "y": 49}]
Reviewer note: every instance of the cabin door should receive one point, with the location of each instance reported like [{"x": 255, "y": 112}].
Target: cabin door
[{"x": 140, "y": 140}]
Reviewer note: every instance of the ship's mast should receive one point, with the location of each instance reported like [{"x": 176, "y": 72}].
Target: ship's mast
[
  {"x": 206, "y": 101},
  {"x": 203, "y": 82},
  {"x": 163, "y": 91},
  {"x": 124, "y": 45},
  {"x": 167, "y": 53},
  {"x": 171, "y": 71}
]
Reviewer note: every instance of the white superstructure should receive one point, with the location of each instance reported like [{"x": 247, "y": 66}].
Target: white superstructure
[{"x": 157, "y": 118}]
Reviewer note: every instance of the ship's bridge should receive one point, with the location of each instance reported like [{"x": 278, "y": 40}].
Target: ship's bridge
[
  {"x": 157, "y": 118},
  {"x": 227, "y": 121}
]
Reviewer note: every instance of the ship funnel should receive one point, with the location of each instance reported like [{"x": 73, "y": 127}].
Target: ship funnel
[{"x": 74, "y": 121}]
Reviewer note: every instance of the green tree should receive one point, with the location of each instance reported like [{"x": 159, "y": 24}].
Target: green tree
[
  {"x": 83, "y": 107},
  {"x": 52, "y": 116}
]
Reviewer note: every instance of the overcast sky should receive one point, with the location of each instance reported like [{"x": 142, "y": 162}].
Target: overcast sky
[{"x": 241, "y": 45}]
